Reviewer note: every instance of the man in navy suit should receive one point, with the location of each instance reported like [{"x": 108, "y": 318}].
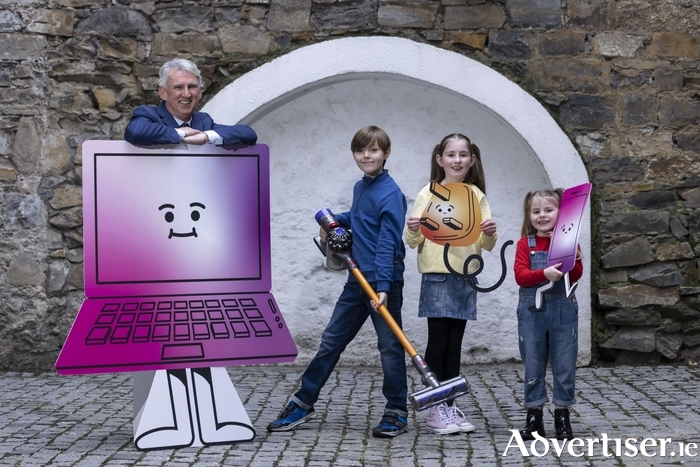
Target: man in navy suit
[{"x": 174, "y": 120}]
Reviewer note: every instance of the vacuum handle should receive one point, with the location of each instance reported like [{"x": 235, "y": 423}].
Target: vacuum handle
[{"x": 384, "y": 311}]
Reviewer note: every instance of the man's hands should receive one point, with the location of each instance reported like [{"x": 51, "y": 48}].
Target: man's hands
[{"x": 193, "y": 136}]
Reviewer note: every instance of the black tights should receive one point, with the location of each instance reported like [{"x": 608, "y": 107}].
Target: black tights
[{"x": 444, "y": 350}]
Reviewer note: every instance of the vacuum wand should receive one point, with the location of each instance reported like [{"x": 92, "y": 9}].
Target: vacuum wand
[{"x": 436, "y": 392}]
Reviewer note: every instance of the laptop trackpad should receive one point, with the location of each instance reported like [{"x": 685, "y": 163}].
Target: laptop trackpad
[{"x": 175, "y": 351}]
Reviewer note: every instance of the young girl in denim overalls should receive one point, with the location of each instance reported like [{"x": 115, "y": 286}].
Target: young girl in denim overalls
[{"x": 549, "y": 334}]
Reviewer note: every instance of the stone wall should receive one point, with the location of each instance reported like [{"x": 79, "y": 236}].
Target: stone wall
[{"x": 621, "y": 77}]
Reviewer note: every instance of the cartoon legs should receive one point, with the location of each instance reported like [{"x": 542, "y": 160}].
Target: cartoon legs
[{"x": 188, "y": 407}]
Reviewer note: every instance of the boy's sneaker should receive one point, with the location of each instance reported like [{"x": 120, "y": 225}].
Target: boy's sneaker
[
  {"x": 291, "y": 416},
  {"x": 440, "y": 421},
  {"x": 457, "y": 417},
  {"x": 392, "y": 424}
]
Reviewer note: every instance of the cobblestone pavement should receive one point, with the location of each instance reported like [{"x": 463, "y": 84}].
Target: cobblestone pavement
[{"x": 55, "y": 420}]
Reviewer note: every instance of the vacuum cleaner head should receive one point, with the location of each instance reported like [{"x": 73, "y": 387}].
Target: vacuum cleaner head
[{"x": 446, "y": 391}]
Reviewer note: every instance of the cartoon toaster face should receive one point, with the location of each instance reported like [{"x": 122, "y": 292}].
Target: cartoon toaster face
[{"x": 453, "y": 215}]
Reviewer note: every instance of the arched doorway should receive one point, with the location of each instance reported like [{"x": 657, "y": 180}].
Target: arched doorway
[{"x": 306, "y": 106}]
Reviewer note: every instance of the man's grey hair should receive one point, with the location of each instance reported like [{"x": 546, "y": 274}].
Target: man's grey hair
[{"x": 178, "y": 64}]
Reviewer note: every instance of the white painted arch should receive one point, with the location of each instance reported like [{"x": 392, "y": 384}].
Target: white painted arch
[{"x": 307, "y": 104}]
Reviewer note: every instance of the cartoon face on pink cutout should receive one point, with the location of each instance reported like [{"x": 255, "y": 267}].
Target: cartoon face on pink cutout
[
  {"x": 453, "y": 215},
  {"x": 170, "y": 218}
]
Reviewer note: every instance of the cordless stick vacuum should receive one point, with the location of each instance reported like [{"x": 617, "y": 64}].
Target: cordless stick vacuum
[{"x": 336, "y": 249}]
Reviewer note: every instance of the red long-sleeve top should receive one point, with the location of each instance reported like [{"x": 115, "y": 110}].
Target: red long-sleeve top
[{"x": 524, "y": 276}]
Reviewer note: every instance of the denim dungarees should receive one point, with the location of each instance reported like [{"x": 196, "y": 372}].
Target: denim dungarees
[{"x": 548, "y": 334}]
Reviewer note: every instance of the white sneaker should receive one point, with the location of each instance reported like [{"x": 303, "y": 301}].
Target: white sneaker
[
  {"x": 457, "y": 417},
  {"x": 439, "y": 420}
]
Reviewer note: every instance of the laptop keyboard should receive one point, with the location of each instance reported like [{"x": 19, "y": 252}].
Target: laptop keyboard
[{"x": 174, "y": 321}]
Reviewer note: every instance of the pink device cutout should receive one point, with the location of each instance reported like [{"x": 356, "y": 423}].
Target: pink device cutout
[
  {"x": 562, "y": 248},
  {"x": 565, "y": 235}
]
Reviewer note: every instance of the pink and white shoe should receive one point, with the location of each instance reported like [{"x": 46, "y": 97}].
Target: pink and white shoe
[
  {"x": 439, "y": 420},
  {"x": 457, "y": 417}
]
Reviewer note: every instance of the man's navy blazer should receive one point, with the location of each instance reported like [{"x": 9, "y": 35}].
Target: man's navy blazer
[{"x": 155, "y": 125}]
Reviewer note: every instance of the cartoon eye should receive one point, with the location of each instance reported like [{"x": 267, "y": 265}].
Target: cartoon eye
[
  {"x": 169, "y": 217},
  {"x": 445, "y": 209},
  {"x": 195, "y": 215}
]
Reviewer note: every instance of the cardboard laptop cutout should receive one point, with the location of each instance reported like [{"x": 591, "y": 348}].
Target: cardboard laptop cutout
[
  {"x": 177, "y": 283},
  {"x": 563, "y": 247}
]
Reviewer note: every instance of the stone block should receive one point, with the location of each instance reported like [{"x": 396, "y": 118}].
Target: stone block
[
  {"x": 187, "y": 44},
  {"x": 81, "y": 3},
  {"x": 637, "y": 223},
  {"x": 51, "y": 22},
  {"x": 617, "y": 275},
  {"x": 24, "y": 270},
  {"x": 687, "y": 141},
  {"x": 289, "y": 16},
  {"x": 616, "y": 169},
  {"x": 668, "y": 79},
  {"x": 58, "y": 272},
  {"x": 66, "y": 196},
  {"x": 616, "y": 44},
  {"x": 55, "y": 157},
  {"x": 27, "y": 147},
  {"x": 489, "y": 16},
  {"x": 683, "y": 311},
  {"x": 626, "y": 317},
  {"x": 354, "y": 15},
  {"x": 407, "y": 14},
  {"x": 653, "y": 199},
  {"x": 657, "y": 275},
  {"x": 668, "y": 345},
  {"x": 125, "y": 48},
  {"x": 67, "y": 219},
  {"x": 639, "y": 109},
  {"x": 244, "y": 39},
  {"x": 69, "y": 98},
  {"x": 510, "y": 44},
  {"x": 535, "y": 13},
  {"x": 473, "y": 40},
  {"x": 105, "y": 98},
  {"x": 678, "y": 227},
  {"x": 638, "y": 340},
  {"x": 668, "y": 44},
  {"x": 588, "y": 111},
  {"x": 678, "y": 112},
  {"x": 591, "y": 14},
  {"x": 190, "y": 18},
  {"x": 17, "y": 46},
  {"x": 116, "y": 20},
  {"x": 632, "y": 253},
  {"x": 636, "y": 296},
  {"x": 674, "y": 251},
  {"x": 9, "y": 22},
  {"x": 566, "y": 75},
  {"x": 23, "y": 211},
  {"x": 561, "y": 42}
]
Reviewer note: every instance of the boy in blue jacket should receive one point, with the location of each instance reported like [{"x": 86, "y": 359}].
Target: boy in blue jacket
[{"x": 376, "y": 218}]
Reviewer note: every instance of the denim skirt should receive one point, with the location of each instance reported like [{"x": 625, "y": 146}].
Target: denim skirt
[{"x": 446, "y": 296}]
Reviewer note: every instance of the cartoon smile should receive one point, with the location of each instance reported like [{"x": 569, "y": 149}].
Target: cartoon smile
[
  {"x": 188, "y": 234},
  {"x": 170, "y": 217}
]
